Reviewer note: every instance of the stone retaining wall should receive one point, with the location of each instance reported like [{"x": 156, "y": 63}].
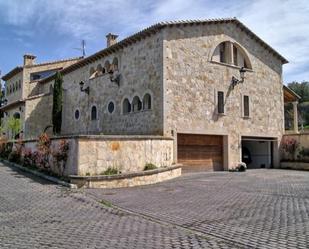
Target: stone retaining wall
[
  {"x": 301, "y": 161},
  {"x": 92, "y": 155},
  {"x": 294, "y": 165},
  {"x": 302, "y": 138},
  {"x": 128, "y": 180}
]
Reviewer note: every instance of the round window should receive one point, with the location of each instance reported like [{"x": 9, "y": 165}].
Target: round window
[
  {"x": 77, "y": 114},
  {"x": 111, "y": 107}
]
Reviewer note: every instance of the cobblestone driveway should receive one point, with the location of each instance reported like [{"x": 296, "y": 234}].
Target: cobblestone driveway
[
  {"x": 258, "y": 208},
  {"x": 37, "y": 214}
]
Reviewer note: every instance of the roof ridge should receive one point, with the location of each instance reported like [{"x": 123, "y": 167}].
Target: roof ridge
[
  {"x": 153, "y": 29},
  {"x": 55, "y": 61}
]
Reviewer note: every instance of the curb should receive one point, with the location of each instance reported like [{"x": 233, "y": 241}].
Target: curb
[{"x": 39, "y": 174}]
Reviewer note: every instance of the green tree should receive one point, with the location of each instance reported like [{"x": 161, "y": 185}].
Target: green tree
[
  {"x": 14, "y": 126},
  {"x": 57, "y": 104},
  {"x": 302, "y": 89}
]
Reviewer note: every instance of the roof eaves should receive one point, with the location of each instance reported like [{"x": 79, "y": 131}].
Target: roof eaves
[
  {"x": 152, "y": 30},
  {"x": 291, "y": 91},
  {"x": 13, "y": 72}
]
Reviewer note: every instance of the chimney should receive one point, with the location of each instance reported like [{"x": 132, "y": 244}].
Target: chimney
[
  {"x": 29, "y": 59},
  {"x": 111, "y": 39}
]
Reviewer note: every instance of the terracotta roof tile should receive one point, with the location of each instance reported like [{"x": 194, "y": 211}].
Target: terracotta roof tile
[{"x": 154, "y": 29}]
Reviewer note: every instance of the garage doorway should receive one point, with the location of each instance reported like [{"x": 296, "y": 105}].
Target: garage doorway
[
  {"x": 257, "y": 153},
  {"x": 200, "y": 152}
]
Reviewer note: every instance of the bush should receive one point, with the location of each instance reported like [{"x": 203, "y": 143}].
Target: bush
[
  {"x": 60, "y": 156},
  {"x": 16, "y": 153},
  {"x": 304, "y": 152},
  {"x": 289, "y": 146},
  {"x": 150, "y": 166},
  {"x": 43, "y": 154},
  {"x": 111, "y": 171},
  {"x": 28, "y": 158},
  {"x": 5, "y": 149},
  {"x": 14, "y": 157}
]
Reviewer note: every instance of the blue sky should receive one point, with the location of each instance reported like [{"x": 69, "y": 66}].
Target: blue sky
[{"x": 51, "y": 29}]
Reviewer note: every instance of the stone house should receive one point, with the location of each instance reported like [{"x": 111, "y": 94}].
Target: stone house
[
  {"x": 213, "y": 86},
  {"x": 22, "y": 93}
]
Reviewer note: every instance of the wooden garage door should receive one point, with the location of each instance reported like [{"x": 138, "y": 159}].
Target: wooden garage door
[{"x": 200, "y": 152}]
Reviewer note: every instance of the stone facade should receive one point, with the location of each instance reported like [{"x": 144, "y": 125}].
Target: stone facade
[
  {"x": 126, "y": 153},
  {"x": 179, "y": 66},
  {"x": 192, "y": 80},
  {"x": 141, "y": 72},
  {"x": 39, "y": 115},
  {"x": 22, "y": 92},
  {"x": 92, "y": 155}
]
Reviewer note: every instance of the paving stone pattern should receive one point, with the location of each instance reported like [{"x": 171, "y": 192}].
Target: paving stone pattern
[
  {"x": 37, "y": 214},
  {"x": 258, "y": 209}
]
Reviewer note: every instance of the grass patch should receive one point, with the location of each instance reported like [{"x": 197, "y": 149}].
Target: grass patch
[
  {"x": 110, "y": 171},
  {"x": 106, "y": 203},
  {"x": 150, "y": 166}
]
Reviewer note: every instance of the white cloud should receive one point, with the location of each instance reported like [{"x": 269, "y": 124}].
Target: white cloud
[{"x": 281, "y": 23}]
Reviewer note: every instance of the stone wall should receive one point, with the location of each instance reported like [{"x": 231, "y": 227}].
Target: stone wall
[
  {"x": 301, "y": 156},
  {"x": 32, "y": 87},
  {"x": 301, "y": 138},
  {"x": 140, "y": 67},
  {"x": 92, "y": 155},
  {"x": 126, "y": 153},
  {"x": 71, "y": 167},
  {"x": 38, "y": 113},
  {"x": 16, "y": 80},
  {"x": 191, "y": 82}
]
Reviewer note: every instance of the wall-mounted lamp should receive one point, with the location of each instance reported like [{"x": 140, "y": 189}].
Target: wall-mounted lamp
[
  {"x": 21, "y": 109},
  {"x": 236, "y": 81},
  {"x": 114, "y": 78},
  {"x": 86, "y": 90},
  {"x": 5, "y": 101}
]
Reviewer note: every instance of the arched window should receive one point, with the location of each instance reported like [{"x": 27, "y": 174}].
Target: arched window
[
  {"x": 136, "y": 104},
  {"x": 99, "y": 69},
  {"x": 232, "y": 53},
  {"x": 115, "y": 64},
  {"x": 10, "y": 88},
  {"x": 94, "y": 113},
  {"x": 91, "y": 72},
  {"x": 16, "y": 115},
  {"x": 19, "y": 84},
  {"x": 126, "y": 106},
  {"x": 76, "y": 114},
  {"x": 107, "y": 66},
  {"x": 147, "y": 101}
]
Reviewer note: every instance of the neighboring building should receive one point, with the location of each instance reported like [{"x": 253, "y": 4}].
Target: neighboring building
[
  {"x": 22, "y": 89},
  {"x": 174, "y": 79}
]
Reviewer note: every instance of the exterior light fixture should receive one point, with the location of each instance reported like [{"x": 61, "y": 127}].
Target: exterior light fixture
[
  {"x": 114, "y": 78},
  {"x": 86, "y": 90},
  {"x": 236, "y": 81},
  {"x": 5, "y": 101}
]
